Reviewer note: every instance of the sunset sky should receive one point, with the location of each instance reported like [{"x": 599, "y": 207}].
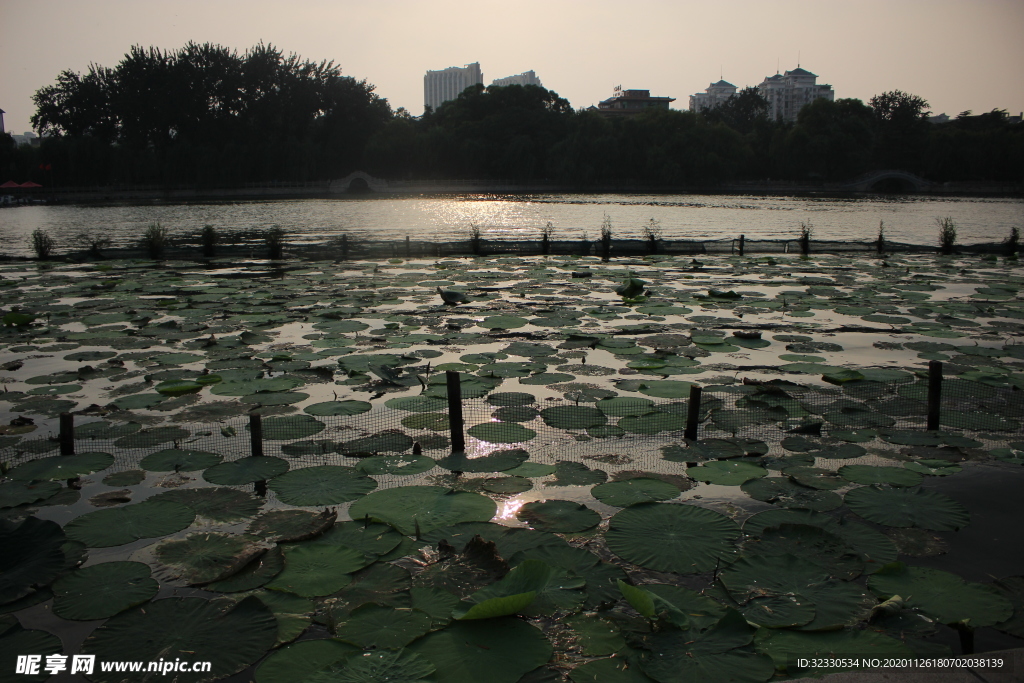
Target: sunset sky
[{"x": 958, "y": 55}]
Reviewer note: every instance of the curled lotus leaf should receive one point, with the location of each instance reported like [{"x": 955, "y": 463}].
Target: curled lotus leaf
[
  {"x": 560, "y": 516},
  {"x": 945, "y": 597},
  {"x": 674, "y": 538},
  {"x": 207, "y": 557},
  {"x": 290, "y": 526}
]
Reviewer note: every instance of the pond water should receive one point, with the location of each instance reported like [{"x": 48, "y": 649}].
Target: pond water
[{"x": 908, "y": 219}]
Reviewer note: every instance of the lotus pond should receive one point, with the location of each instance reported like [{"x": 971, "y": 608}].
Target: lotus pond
[{"x": 579, "y": 536}]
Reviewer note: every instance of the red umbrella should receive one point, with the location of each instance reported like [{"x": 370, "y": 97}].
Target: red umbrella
[
  {"x": 30, "y": 184},
  {"x": 10, "y": 183}
]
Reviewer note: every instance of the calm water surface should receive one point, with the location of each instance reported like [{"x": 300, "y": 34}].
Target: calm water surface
[{"x": 449, "y": 217}]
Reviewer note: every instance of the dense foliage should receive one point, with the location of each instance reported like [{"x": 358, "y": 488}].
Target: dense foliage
[{"x": 207, "y": 116}]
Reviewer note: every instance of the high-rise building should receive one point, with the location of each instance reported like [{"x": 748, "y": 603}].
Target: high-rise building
[
  {"x": 525, "y": 78},
  {"x": 714, "y": 95},
  {"x": 787, "y": 94},
  {"x": 447, "y": 84}
]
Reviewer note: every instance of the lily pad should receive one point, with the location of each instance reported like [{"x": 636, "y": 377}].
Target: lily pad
[
  {"x": 496, "y": 461},
  {"x": 298, "y": 661},
  {"x": 943, "y": 596},
  {"x": 245, "y": 471},
  {"x": 912, "y": 507},
  {"x": 207, "y": 557},
  {"x": 221, "y": 504},
  {"x": 871, "y": 474},
  {"x": 103, "y": 590},
  {"x": 31, "y": 556},
  {"x": 62, "y": 467},
  {"x": 118, "y": 526},
  {"x": 291, "y": 427},
  {"x": 396, "y": 464},
  {"x": 492, "y": 650},
  {"x": 321, "y": 485},
  {"x": 675, "y": 538},
  {"x": 231, "y": 636},
  {"x": 569, "y": 473},
  {"x": 726, "y": 473},
  {"x": 316, "y": 569},
  {"x": 785, "y": 493},
  {"x": 418, "y": 509},
  {"x": 179, "y": 460},
  {"x": 634, "y": 491},
  {"x": 559, "y": 516},
  {"x": 338, "y": 408},
  {"x": 501, "y": 432}
]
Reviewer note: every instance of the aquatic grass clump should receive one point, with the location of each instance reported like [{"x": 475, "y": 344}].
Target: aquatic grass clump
[
  {"x": 1012, "y": 242},
  {"x": 947, "y": 235},
  {"x": 274, "y": 239},
  {"x": 95, "y": 244},
  {"x": 209, "y": 238},
  {"x": 880, "y": 242},
  {"x": 652, "y": 233},
  {"x": 155, "y": 240},
  {"x": 475, "y": 238},
  {"x": 806, "y": 230},
  {"x": 42, "y": 244},
  {"x": 545, "y": 238},
  {"x": 606, "y": 238}
]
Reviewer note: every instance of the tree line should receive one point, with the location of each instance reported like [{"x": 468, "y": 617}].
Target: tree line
[{"x": 206, "y": 115}]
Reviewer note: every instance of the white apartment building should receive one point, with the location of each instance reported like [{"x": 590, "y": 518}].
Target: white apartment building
[
  {"x": 714, "y": 95},
  {"x": 788, "y": 93},
  {"x": 525, "y": 78},
  {"x": 447, "y": 84}
]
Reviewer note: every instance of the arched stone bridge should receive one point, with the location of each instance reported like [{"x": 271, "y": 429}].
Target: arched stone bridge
[
  {"x": 887, "y": 181},
  {"x": 358, "y": 181}
]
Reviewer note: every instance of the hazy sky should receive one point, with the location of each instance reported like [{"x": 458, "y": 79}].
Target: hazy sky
[{"x": 957, "y": 54}]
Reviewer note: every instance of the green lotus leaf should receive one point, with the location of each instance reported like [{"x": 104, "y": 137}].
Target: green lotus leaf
[
  {"x": 15, "y": 493},
  {"x": 437, "y": 422},
  {"x": 118, "y": 526},
  {"x": 815, "y": 477},
  {"x": 935, "y": 468},
  {"x": 945, "y": 597},
  {"x": 912, "y": 507},
  {"x": 245, "y": 471},
  {"x": 511, "y": 398},
  {"x": 496, "y": 461},
  {"x": 103, "y": 590},
  {"x": 611, "y": 670},
  {"x": 383, "y": 627},
  {"x": 533, "y": 588},
  {"x": 317, "y": 569},
  {"x": 231, "y": 636},
  {"x": 597, "y": 637},
  {"x": 31, "y": 555},
  {"x": 560, "y": 516},
  {"x": 622, "y": 406},
  {"x": 284, "y": 526},
  {"x": 783, "y": 492},
  {"x": 502, "y": 322},
  {"x": 652, "y": 423},
  {"x": 321, "y": 485},
  {"x": 16, "y": 641},
  {"x": 666, "y": 388},
  {"x": 147, "y": 438},
  {"x": 139, "y": 401},
  {"x": 105, "y": 430},
  {"x": 837, "y": 603},
  {"x": 714, "y": 655},
  {"x": 62, "y": 467},
  {"x": 417, "y": 404},
  {"x": 569, "y": 473},
  {"x": 786, "y": 647},
  {"x": 291, "y": 427},
  {"x": 219, "y": 504},
  {"x": 207, "y": 557},
  {"x": 299, "y": 661},
  {"x": 369, "y": 538},
  {"x": 338, "y": 408},
  {"x": 726, "y": 473},
  {"x": 870, "y": 474},
  {"x": 274, "y": 398},
  {"x": 178, "y": 387},
  {"x": 501, "y": 432},
  {"x": 531, "y": 470},
  {"x": 547, "y": 378},
  {"x": 126, "y": 478},
  {"x": 253, "y": 386},
  {"x": 823, "y": 548},
  {"x": 389, "y": 441},
  {"x": 412, "y": 509},
  {"x": 392, "y": 666},
  {"x": 253, "y": 575},
  {"x": 179, "y": 460},
  {"x": 675, "y": 538},
  {"x": 634, "y": 491},
  {"x": 492, "y": 650},
  {"x": 396, "y": 464}
]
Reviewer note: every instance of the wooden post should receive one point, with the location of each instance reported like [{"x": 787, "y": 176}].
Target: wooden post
[
  {"x": 255, "y": 435},
  {"x": 742, "y": 239},
  {"x": 455, "y": 410},
  {"x": 67, "y": 434},
  {"x": 344, "y": 247},
  {"x": 934, "y": 392},
  {"x": 693, "y": 413},
  {"x": 408, "y": 248}
]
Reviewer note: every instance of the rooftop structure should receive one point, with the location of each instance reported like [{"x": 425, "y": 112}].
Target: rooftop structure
[
  {"x": 788, "y": 93},
  {"x": 525, "y": 78},
  {"x": 627, "y": 102},
  {"x": 714, "y": 95},
  {"x": 447, "y": 84}
]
